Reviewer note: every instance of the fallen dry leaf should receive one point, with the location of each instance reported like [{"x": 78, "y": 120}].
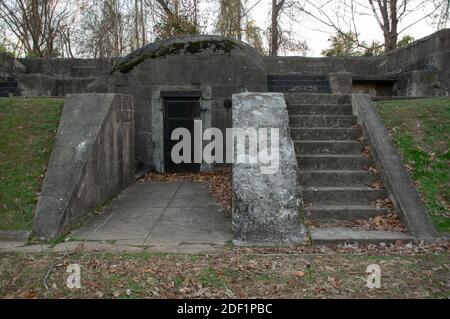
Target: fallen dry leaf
[
  {"x": 219, "y": 182},
  {"x": 30, "y": 295}
]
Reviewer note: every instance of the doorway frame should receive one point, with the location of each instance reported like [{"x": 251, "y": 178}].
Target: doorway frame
[
  {"x": 181, "y": 98},
  {"x": 157, "y": 111}
]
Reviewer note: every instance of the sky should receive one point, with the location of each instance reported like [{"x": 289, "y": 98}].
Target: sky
[{"x": 317, "y": 35}]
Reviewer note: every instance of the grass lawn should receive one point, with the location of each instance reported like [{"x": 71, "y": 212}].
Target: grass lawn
[
  {"x": 232, "y": 273},
  {"x": 421, "y": 131},
  {"x": 27, "y": 130}
]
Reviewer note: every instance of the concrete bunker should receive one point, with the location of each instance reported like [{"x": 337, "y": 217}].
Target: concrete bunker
[
  {"x": 180, "y": 80},
  {"x": 209, "y": 69}
]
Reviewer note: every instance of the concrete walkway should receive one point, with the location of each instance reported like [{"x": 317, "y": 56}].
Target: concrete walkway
[
  {"x": 159, "y": 214},
  {"x": 172, "y": 217}
]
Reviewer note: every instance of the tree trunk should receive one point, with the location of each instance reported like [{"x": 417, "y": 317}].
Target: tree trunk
[
  {"x": 136, "y": 23},
  {"x": 388, "y": 21},
  {"x": 274, "y": 30}
]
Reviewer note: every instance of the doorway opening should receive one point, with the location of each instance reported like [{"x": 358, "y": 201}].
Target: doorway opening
[{"x": 181, "y": 109}]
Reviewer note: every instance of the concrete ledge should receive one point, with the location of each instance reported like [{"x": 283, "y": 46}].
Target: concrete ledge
[
  {"x": 394, "y": 174},
  {"x": 92, "y": 160},
  {"x": 14, "y": 235},
  {"x": 343, "y": 235},
  {"x": 399, "y": 98}
]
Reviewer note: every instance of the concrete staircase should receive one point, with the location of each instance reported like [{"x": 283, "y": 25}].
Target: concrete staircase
[
  {"x": 293, "y": 82},
  {"x": 8, "y": 86},
  {"x": 335, "y": 173}
]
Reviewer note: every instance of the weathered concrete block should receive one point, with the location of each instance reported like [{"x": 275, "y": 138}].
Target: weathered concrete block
[
  {"x": 36, "y": 85},
  {"x": 341, "y": 82},
  {"x": 266, "y": 208},
  {"x": 6, "y": 64},
  {"x": 92, "y": 160},
  {"x": 420, "y": 83}
]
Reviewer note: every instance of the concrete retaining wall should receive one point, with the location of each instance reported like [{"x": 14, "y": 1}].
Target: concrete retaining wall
[
  {"x": 92, "y": 160},
  {"x": 67, "y": 68},
  {"x": 59, "y": 77},
  {"x": 314, "y": 66},
  {"x": 428, "y": 55}
]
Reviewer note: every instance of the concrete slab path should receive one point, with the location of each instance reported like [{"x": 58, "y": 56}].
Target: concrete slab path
[{"x": 160, "y": 214}]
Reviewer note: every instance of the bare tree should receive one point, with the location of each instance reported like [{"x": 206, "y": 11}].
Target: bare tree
[
  {"x": 229, "y": 21},
  {"x": 38, "y": 25},
  {"x": 277, "y": 6},
  {"x": 441, "y": 19},
  {"x": 177, "y": 17},
  {"x": 253, "y": 36},
  {"x": 281, "y": 37},
  {"x": 140, "y": 26},
  {"x": 389, "y": 14},
  {"x": 107, "y": 28}
]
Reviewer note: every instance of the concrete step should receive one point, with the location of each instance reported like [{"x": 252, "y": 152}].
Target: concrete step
[
  {"x": 326, "y": 134},
  {"x": 333, "y": 162},
  {"x": 322, "y": 121},
  {"x": 299, "y": 88},
  {"x": 84, "y": 67},
  {"x": 8, "y": 84},
  {"x": 336, "y": 178},
  {"x": 342, "y": 235},
  {"x": 304, "y": 147},
  {"x": 289, "y": 82},
  {"x": 343, "y": 212},
  {"x": 320, "y": 109},
  {"x": 7, "y": 78},
  {"x": 296, "y": 77},
  {"x": 318, "y": 99},
  {"x": 342, "y": 195}
]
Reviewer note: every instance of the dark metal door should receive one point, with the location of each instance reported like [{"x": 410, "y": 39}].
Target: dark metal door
[{"x": 179, "y": 112}]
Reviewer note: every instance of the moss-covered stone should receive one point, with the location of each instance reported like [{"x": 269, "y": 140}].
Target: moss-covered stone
[{"x": 190, "y": 47}]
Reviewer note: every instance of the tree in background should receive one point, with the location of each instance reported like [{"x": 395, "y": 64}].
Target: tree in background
[
  {"x": 103, "y": 29},
  {"x": 177, "y": 17},
  {"x": 38, "y": 25},
  {"x": 234, "y": 20},
  {"x": 349, "y": 45},
  {"x": 407, "y": 39},
  {"x": 343, "y": 45},
  {"x": 140, "y": 25},
  {"x": 391, "y": 16},
  {"x": 277, "y": 8},
  {"x": 229, "y": 20},
  {"x": 111, "y": 28},
  {"x": 441, "y": 18},
  {"x": 253, "y": 34},
  {"x": 282, "y": 38}
]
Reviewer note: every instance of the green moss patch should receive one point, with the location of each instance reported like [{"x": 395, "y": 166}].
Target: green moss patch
[{"x": 190, "y": 47}]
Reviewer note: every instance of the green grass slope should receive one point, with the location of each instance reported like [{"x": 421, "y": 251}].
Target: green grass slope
[
  {"x": 421, "y": 132},
  {"x": 27, "y": 130}
]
